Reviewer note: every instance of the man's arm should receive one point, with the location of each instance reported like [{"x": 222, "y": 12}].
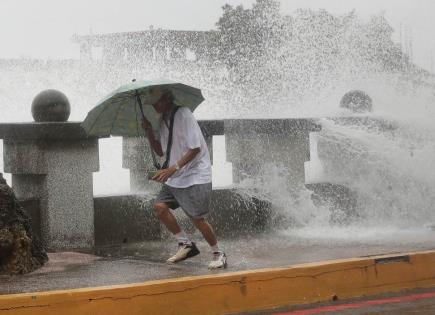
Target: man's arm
[
  {"x": 155, "y": 144},
  {"x": 189, "y": 156},
  {"x": 163, "y": 175}
]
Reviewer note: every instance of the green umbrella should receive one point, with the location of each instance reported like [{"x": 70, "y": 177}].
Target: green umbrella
[{"x": 121, "y": 112}]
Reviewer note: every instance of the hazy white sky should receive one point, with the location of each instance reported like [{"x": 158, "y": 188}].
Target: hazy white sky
[{"x": 43, "y": 28}]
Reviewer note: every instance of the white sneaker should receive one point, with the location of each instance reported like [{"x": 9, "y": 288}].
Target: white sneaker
[
  {"x": 219, "y": 261},
  {"x": 184, "y": 251}
]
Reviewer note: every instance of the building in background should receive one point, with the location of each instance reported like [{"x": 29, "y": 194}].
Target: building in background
[{"x": 157, "y": 45}]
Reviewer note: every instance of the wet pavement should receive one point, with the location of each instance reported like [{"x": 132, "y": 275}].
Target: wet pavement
[{"x": 133, "y": 263}]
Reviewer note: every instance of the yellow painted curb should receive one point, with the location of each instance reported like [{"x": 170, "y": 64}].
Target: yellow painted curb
[{"x": 238, "y": 291}]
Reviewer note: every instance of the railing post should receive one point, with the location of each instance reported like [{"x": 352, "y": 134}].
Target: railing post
[
  {"x": 54, "y": 162},
  {"x": 260, "y": 148}
]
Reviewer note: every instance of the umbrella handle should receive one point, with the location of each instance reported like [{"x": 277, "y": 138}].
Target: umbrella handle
[{"x": 139, "y": 103}]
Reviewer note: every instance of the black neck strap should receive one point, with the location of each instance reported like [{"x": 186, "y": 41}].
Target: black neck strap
[{"x": 171, "y": 128}]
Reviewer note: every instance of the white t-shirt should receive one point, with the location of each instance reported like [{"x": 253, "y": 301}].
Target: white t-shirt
[{"x": 186, "y": 135}]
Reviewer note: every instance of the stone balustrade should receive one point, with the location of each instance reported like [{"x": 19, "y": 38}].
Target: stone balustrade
[
  {"x": 53, "y": 164},
  {"x": 251, "y": 145}
]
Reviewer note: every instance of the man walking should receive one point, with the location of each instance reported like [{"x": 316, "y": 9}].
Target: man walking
[{"x": 186, "y": 179}]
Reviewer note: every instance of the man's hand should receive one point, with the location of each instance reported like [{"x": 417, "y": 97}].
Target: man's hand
[{"x": 163, "y": 175}]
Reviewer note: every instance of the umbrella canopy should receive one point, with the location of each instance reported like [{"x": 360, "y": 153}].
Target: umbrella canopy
[{"x": 120, "y": 114}]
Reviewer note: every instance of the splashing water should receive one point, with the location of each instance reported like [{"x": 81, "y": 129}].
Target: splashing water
[{"x": 388, "y": 169}]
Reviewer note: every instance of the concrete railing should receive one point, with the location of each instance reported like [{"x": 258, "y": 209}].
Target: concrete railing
[
  {"x": 251, "y": 144},
  {"x": 52, "y": 164}
]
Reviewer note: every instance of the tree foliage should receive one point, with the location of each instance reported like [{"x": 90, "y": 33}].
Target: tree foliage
[
  {"x": 266, "y": 51},
  {"x": 248, "y": 34}
]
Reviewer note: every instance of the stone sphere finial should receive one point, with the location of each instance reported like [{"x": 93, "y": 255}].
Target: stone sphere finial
[
  {"x": 50, "y": 106},
  {"x": 357, "y": 101}
]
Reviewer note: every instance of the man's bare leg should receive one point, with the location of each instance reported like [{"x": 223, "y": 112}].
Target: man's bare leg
[
  {"x": 207, "y": 231},
  {"x": 186, "y": 247},
  {"x": 165, "y": 215}
]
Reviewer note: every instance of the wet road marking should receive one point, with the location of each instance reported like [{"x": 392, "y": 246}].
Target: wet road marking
[{"x": 363, "y": 304}]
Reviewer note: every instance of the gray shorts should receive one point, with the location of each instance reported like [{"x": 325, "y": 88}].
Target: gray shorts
[{"x": 194, "y": 200}]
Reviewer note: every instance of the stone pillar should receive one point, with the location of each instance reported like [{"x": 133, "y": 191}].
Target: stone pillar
[
  {"x": 53, "y": 160},
  {"x": 333, "y": 160},
  {"x": 264, "y": 148},
  {"x": 336, "y": 164},
  {"x": 59, "y": 173}
]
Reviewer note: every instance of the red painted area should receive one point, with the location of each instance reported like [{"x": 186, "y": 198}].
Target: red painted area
[{"x": 342, "y": 307}]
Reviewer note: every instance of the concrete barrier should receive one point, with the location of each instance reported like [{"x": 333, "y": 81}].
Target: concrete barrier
[
  {"x": 52, "y": 165},
  {"x": 130, "y": 218},
  {"x": 124, "y": 219},
  {"x": 239, "y": 291}
]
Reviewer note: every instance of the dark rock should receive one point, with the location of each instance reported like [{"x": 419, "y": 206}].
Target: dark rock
[{"x": 20, "y": 251}]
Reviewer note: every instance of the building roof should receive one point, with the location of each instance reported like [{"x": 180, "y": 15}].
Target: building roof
[{"x": 140, "y": 37}]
